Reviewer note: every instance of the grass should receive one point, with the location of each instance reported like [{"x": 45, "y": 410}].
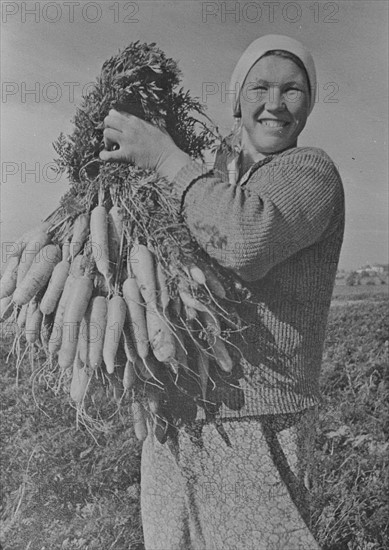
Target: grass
[
  {"x": 63, "y": 490},
  {"x": 351, "y": 506},
  {"x": 360, "y": 291}
]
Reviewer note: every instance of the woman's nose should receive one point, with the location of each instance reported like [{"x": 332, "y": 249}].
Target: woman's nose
[{"x": 275, "y": 100}]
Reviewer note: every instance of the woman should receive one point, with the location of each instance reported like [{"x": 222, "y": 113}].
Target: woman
[{"x": 278, "y": 225}]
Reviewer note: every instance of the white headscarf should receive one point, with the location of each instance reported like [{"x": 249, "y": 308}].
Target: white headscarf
[{"x": 256, "y": 50}]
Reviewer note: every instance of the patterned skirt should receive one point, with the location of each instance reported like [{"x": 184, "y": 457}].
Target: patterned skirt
[{"x": 236, "y": 486}]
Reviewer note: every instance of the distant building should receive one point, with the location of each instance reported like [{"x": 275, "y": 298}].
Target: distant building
[
  {"x": 372, "y": 269},
  {"x": 380, "y": 268},
  {"x": 369, "y": 274}
]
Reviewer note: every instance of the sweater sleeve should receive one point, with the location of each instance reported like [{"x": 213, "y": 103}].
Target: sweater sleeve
[{"x": 285, "y": 206}]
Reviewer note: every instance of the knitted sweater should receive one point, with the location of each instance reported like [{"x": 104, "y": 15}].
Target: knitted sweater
[{"x": 280, "y": 230}]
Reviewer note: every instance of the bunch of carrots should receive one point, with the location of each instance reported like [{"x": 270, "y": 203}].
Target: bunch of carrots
[{"x": 86, "y": 289}]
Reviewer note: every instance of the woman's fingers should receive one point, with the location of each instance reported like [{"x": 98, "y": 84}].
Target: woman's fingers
[
  {"x": 111, "y": 155},
  {"x": 120, "y": 132},
  {"x": 115, "y": 120},
  {"x": 111, "y": 137}
]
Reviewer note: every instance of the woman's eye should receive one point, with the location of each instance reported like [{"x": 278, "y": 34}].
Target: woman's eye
[
  {"x": 261, "y": 91},
  {"x": 252, "y": 92},
  {"x": 293, "y": 93}
]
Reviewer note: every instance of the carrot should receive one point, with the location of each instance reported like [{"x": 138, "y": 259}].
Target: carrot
[
  {"x": 99, "y": 236},
  {"x": 30, "y": 235},
  {"x": 5, "y": 307},
  {"x": 213, "y": 282},
  {"x": 22, "y": 316},
  {"x": 8, "y": 280},
  {"x": 56, "y": 285},
  {"x": 80, "y": 380},
  {"x": 38, "y": 274},
  {"x": 128, "y": 344},
  {"x": 115, "y": 230},
  {"x": 160, "y": 336},
  {"x": 142, "y": 265},
  {"x": 80, "y": 233},
  {"x": 95, "y": 321},
  {"x": 137, "y": 317},
  {"x": 138, "y": 416},
  {"x": 163, "y": 292},
  {"x": 190, "y": 313},
  {"x": 33, "y": 321},
  {"x": 116, "y": 315},
  {"x": 129, "y": 375},
  {"x": 221, "y": 355},
  {"x": 76, "y": 306},
  {"x": 32, "y": 248},
  {"x": 211, "y": 324},
  {"x": 56, "y": 333},
  {"x": 190, "y": 301},
  {"x": 197, "y": 275},
  {"x": 77, "y": 269}
]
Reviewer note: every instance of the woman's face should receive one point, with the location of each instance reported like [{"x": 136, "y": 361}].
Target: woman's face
[{"x": 274, "y": 105}]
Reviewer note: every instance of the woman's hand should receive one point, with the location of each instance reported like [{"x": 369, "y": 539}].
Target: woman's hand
[{"x": 142, "y": 143}]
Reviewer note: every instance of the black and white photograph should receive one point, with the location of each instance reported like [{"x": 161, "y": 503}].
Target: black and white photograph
[{"x": 194, "y": 275}]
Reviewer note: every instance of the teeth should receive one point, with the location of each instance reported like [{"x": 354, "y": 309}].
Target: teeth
[{"x": 273, "y": 123}]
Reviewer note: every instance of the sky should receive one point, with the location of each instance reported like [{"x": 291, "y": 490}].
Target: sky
[{"x": 51, "y": 51}]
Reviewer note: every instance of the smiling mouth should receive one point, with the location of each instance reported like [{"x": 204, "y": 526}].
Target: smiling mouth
[{"x": 273, "y": 123}]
